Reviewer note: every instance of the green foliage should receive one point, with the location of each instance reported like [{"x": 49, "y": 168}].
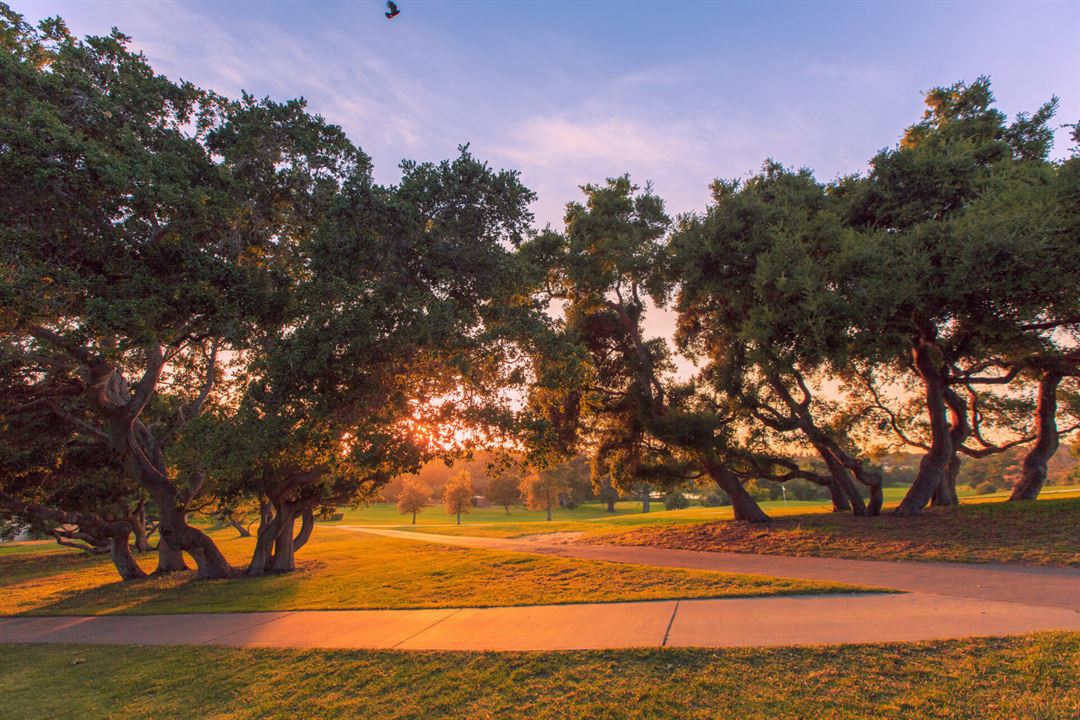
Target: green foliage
[
  {"x": 458, "y": 494},
  {"x": 675, "y": 500}
]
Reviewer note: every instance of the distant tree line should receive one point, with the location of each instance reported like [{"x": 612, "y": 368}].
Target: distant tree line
[{"x": 210, "y": 307}]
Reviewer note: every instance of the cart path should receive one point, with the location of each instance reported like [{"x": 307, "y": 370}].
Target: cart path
[
  {"x": 736, "y": 622},
  {"x": 1044, "y": 586},
  {"x": 943, "y": 601}
]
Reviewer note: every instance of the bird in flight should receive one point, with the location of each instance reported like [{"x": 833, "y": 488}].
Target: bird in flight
[{"x": 391, "y": 10}]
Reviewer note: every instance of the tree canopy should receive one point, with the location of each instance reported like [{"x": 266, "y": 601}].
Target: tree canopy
[{"x": 209, "y": 304}]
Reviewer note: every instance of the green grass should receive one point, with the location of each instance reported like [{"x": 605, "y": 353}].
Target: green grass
[
  {"x": 1042, "y": 533},
  {"x": 1028, "y": 677},
  {"x": 983, "y": 529},
  {"x": 339, "y": 570}
]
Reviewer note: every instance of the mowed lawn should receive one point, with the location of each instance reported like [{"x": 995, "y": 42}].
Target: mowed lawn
[
  {"x": 591, "y": 518},
  {"x": 1046, "y": 532},
  {"x": 340, "y": 569},
  {"x": 1028, "y": 677}
]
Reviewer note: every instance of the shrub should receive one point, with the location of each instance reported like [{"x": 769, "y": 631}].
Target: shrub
[{"x": 675, "y": 500}]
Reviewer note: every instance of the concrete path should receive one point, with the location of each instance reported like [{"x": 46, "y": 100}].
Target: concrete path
[
  {"x": 945, "y": 601},
  {"x": 737, "y": 622},
  {"x": 1042, "y": 586}
]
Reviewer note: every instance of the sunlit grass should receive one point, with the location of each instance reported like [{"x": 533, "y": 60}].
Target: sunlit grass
[
  {"x": 594, "y": 521},
  {"x": 340, "y": 569},
  {"x": 1042, "y": 533},
  {"x": 1020, "y": 678}
]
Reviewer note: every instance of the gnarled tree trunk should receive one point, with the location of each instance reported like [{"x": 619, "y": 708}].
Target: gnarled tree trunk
[
  {"x": 307, "y": 526},
  {"x": 839, "y": 499},
  {"x": 841, "y": 484},
  {"x": 265, "y": 537},
  {"x": 284, "y": 548},
  {"x": 97, "y": 531},
  {"x": 138, "y": 527},
  {"x": 237, "y": 525},
  {"x": 122, "y": 558},
  {"x": 169, "y": 558},
  {"x": 959, "y": 430},
  {"x": 743, "y": 503},
  {"x": 1033, "y": 476},
  {"x": 934, "y": 466}
]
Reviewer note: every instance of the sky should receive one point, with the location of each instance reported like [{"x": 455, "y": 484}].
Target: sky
[{"x": 567, "y": 93}]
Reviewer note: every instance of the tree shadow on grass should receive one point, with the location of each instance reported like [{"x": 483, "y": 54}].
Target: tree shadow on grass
[{"x": 79, "y": 585}]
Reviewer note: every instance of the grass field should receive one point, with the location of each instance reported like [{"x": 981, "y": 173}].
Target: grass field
[
  {"x": 589, "y": 517},
  {"x": 1042, "y": 533},
  {"x": 1030, "y": 677},
  {"x": 338, "y": 570},
  {"x": 983, "y": 529}
]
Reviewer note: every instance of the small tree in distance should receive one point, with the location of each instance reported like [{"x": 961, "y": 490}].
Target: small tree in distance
[
  {"x": 457, "y": 497},
  {"x": 541, "y": 490},
  {"x": 503, "y": 490},
  {"x": 414, "y": 497}
]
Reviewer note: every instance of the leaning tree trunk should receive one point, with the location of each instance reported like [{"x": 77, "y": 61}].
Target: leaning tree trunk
[
  {"x": 238, "y": 526},
  {"x": 839, "y": 499},
  {"x": 178, "y": 535},
  {"x": 284, "y": 548},
  {"x": 843, "y": 465},
  {"x": 265, "y": 537},
  {"x": 169, "y": 558},
  {"x": 138, "y": 527},
  {"x": 307, "y": 526},
  {"x": 934, "y": 465},
  {"x": 115, "y": 534},
  {"x": 743, "y": 503},
  {"x": 843, "y": 491},
  {"x": 945, "y": 495},
  {"x": 123, "y": 559},
  {"x": 147, "y": 463},
  {"x": 842, "y": 485},
  {"x": 1033, "y": 475}
]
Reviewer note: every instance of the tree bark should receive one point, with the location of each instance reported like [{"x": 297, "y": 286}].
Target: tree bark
[
  {"x": 839, "y": 499},
  {"x": 115, "y": 534},
  {"x": 176, "y": 532},
  {"x": 842, "y": 485},
  {"x": 743, "y": 503},
  {"x": 1033, "y": 475},
  {"x": 169, "y": 558},
  {"x": 238, "y": 526},
  {"x": 935, "y": 463},
  {"x": 123, "y": 559},
  {"x": 959, "y": 430},
  {"x": 265, "y": 536},
  {"x": 646, "y": 500},
  {"x": 284, "y": 545},
  {"x": 307, "y": 526},
  {"x": 843, "y": 491},
  {"x": 414, "y": 517},
  {"x": 138, "y": 527}
]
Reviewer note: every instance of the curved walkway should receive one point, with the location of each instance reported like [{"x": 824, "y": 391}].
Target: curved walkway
[
  {"x": 1046, "y": 586},
  {"x": 946, "y": 601}
]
